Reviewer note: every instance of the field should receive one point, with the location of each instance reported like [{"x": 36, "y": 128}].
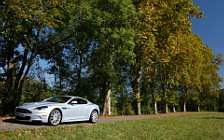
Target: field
[{"x": 197, "y": 126}]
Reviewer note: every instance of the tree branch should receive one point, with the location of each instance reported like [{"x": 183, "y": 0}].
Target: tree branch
[
  {"x": 30, "y": 62},
  {"x": 24, "y": 61}
]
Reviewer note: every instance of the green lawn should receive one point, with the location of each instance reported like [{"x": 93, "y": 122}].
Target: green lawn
[{"x": 197, "y": 126}]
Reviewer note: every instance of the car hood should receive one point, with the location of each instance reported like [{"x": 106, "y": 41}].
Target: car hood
[{"x": 33, "y": 105}]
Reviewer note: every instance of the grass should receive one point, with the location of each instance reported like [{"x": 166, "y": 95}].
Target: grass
[{"x": 197, "y": 126}]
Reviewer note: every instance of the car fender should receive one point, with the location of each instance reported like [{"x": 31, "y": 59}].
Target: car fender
[{"x": 94, "y": 107}]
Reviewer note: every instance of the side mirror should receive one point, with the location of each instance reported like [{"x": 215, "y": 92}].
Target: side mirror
[{"x": 74, "y": 102}]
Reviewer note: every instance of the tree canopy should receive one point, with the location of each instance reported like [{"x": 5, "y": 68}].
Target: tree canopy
[{"x": 129, "y": 56}]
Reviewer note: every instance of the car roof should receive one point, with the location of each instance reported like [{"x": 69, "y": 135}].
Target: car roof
[{"x": 72, "y": 96}]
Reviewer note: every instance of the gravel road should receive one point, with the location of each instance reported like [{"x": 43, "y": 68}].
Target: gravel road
[{"x": 12, "y": 124}]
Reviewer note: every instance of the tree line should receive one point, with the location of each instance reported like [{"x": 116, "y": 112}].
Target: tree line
[{"x": 129, "y": 56}]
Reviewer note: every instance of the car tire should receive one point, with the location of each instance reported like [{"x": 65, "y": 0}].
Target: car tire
[
  {"x": 94, "y": 116},
  {"x": 55, "y": 117}
]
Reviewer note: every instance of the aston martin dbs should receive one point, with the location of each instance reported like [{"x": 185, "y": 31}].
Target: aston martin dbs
[{"x": 57, "y": 109}]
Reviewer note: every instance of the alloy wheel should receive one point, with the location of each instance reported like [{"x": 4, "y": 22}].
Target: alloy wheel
[{"x": 55, "y": 117}]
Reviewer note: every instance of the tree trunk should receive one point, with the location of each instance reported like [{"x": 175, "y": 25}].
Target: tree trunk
[
  {"x": 9, "y": 85},
  {"x": 139, "y": 103},
  {"x": 14, "y": 81},
  {"x": 107, "y": 103},
  {"x": 137, "y": 95},
  {"x": 174, "y": 108},
  {"x": 167, "y": 108},
  {"x": 185, "y": 110},
  {"x": 166, "y": 104},
  {"x": 155, "y": 107},
  {"x": 199, "y": 109},
  {"x": 136, "y": 90}
]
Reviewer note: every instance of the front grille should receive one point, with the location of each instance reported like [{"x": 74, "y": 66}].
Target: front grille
[
  {"x": 23, "y": 118},
  {"x": 21, "y": 110}
]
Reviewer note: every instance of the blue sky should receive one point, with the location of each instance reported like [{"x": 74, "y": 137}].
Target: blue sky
[{"x": 211, "y": 28}]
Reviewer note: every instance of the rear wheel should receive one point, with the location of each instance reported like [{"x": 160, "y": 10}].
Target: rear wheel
[
  {"x": 94, "y": 116},
  {"x": 55, "y": 117}
]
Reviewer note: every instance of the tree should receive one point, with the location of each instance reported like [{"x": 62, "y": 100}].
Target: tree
[
  {"x": 210, "y": 80},
  {"x": 112, "y": 42},
  {"x": 159, "y": 22},
  {"x": 27, "y": 28}
]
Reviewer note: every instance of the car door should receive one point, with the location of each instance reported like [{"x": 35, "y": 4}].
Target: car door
[{"x": 76, "y": 110}]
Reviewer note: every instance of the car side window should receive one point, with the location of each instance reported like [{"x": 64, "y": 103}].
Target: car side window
[{"x": 78, "y": 101}]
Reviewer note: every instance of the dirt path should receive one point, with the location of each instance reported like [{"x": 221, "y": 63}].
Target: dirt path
[{"x": 12, "y": 124}]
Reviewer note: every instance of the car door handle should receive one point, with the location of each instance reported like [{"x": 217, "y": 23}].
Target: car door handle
[{"x": 65, "y": 108}]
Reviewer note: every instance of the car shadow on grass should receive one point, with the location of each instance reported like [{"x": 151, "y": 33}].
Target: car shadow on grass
[
  {"x": 38, "y": 123},
  {"x": 79, "y": 122},
  {"x": 14, "y": 121}
]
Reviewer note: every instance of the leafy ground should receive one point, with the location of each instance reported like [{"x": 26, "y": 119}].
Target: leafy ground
[{"x": 197, "y": 126}]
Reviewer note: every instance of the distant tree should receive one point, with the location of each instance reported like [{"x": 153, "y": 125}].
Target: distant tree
[
  {"x": 221, "y": 100},
  {"x": 123, "y": 100},
  {"x": 158, "y": 24},
  {"x": 210, "y": 80}
]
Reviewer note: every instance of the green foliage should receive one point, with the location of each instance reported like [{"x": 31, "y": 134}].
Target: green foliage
[
  {"x": 171, "y": 57},
  {"x": 143, "y": 51},
  {"x": 35, "y": 91},
  {"x": 221, "y": 100},
  {"x": 123, "y": 101},
  {"x": 27, "y": 29}
]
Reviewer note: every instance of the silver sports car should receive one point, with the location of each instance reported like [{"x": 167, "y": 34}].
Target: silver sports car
[{"x": 57, "y": 109}]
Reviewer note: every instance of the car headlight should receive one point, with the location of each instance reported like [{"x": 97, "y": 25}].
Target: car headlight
[{"x": 41, "y": 108}]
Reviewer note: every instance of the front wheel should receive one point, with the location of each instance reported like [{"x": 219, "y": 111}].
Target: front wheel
[
  {"x": 55, "y": 117},
  {"x": 94, "y": 116}
]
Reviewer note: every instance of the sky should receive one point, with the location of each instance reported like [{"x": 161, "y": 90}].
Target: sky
[{"x": 211, "y": 28}]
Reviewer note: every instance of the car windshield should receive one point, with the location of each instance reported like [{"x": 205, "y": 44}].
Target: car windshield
[{"x": 58, "y": 99}]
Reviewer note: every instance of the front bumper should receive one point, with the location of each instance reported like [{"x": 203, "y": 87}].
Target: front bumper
[{"x": 34, "y": 117}]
